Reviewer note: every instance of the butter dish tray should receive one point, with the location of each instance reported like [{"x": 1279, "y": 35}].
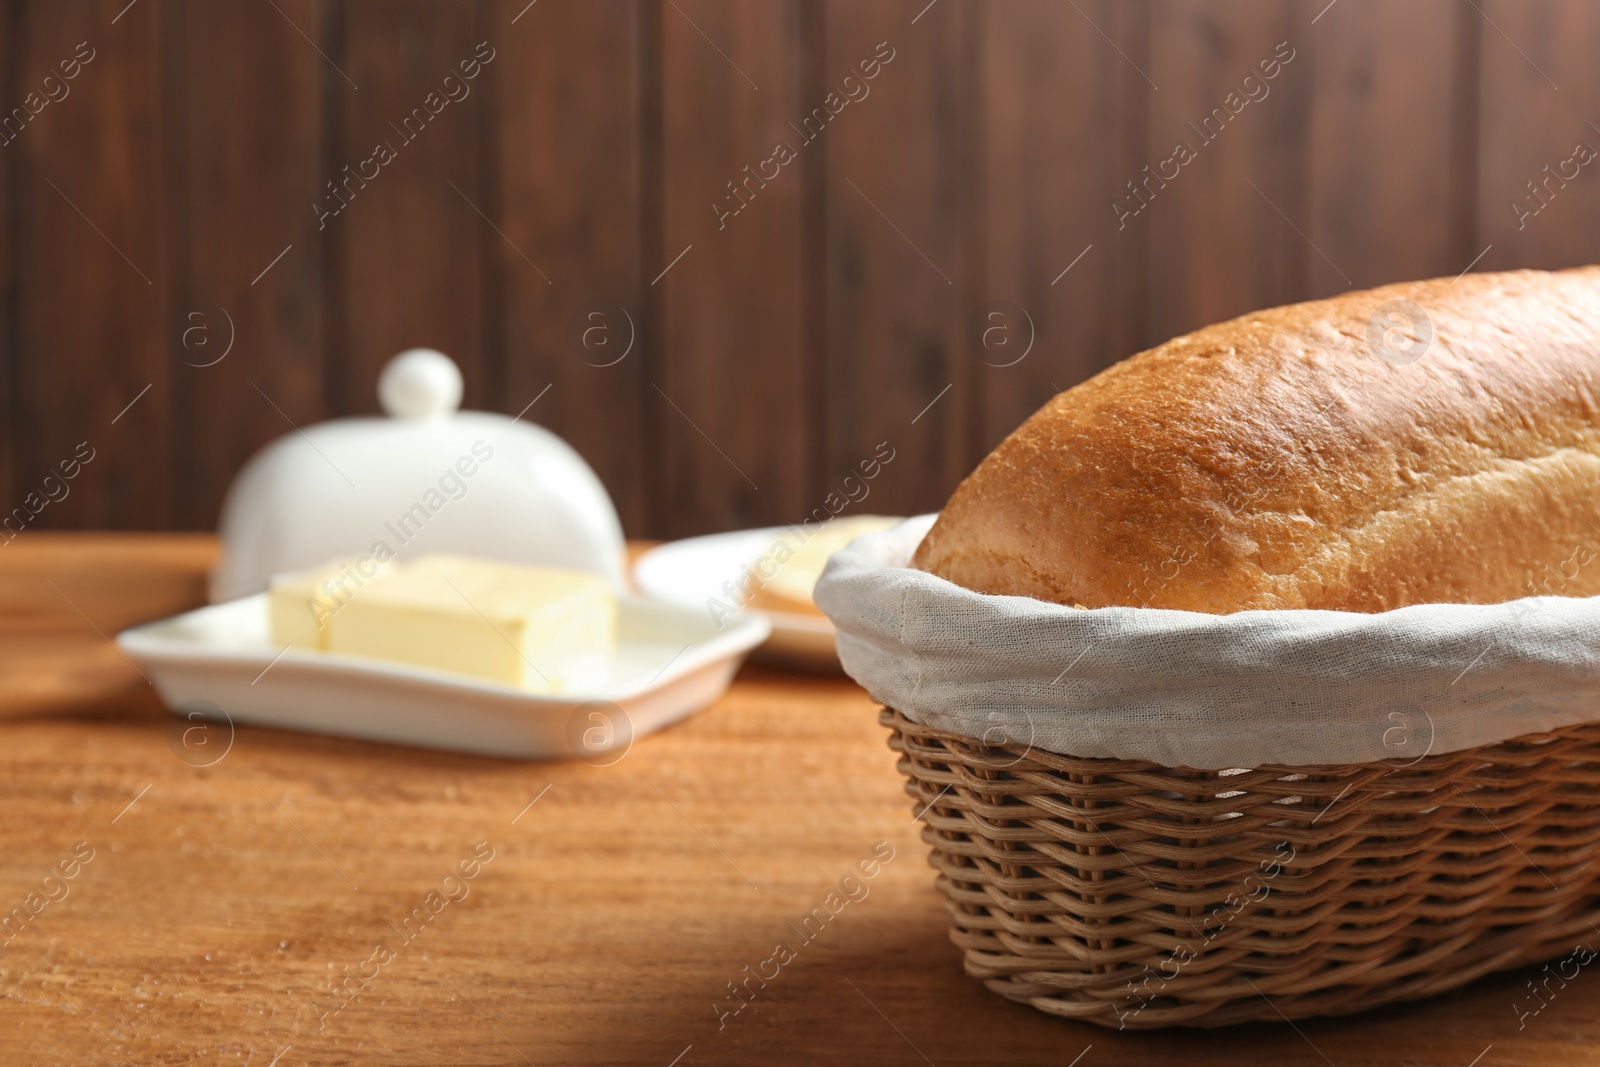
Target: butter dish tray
[
  {"x": 217, "y": 663},
  {"x": 709, "y": 573}
]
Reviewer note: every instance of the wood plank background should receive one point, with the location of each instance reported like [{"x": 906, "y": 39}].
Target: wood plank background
[{"x": 902, "y": 279}]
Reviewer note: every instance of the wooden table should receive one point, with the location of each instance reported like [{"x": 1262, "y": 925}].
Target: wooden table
[{"x": 220, "y": 902}]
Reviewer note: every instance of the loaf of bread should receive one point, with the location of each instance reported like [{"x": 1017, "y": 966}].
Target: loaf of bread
[{"x": 1429, "y": 442}]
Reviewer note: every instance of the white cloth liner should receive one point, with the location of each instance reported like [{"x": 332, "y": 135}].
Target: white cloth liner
[{"x": 1211, "y": 692}]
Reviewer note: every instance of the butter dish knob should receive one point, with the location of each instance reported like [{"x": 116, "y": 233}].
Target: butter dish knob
[{"x": 420, "y": 383}]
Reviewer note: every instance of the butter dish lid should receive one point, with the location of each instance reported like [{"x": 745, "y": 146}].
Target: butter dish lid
[{"x": 428, "y": 478}]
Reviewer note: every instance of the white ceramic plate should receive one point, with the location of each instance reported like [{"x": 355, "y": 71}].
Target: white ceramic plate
[
  {"x": 218, "y": 661},
  {"x": 693, "y": 571}
]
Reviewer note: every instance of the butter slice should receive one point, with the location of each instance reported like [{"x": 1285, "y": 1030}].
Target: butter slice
[
  {"x": 300, "y": 603},
  {"x": 796, "y": 576},
  {"x": 537, "y": 628}
]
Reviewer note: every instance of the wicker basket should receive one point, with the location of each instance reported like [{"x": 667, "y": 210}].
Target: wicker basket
[{"x": 1131, "y": 895}]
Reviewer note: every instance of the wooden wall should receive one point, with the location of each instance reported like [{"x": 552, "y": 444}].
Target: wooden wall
[{"x": 883, "y": 285}]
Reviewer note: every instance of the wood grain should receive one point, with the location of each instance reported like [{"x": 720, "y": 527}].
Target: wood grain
[
  {"x": 11, "y": 18},
  {"x": 90, "y": 286},
  {"x": 1539, "y": 87},
  {"x": 62, "y": 594},
  {"x": 732, "y": 448},
  {"x": 1206, "y": 264},
  {"x": 409, "y": 243},
  {"x": 791, "y": 337},
  {"x": 606, "y": 929},
  {"x": 1383, "y": 160},
  {"x": 899, "y": 345},
  {"x": 1064, "y": 115},
  {"x": 570, "y": 193},
  {"x": 245, "y": 316}
]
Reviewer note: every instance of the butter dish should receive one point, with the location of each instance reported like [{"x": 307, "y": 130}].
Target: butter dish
[
  {"x": 427, "y": 478},
  {"x": 218, "y": 663},
  {"x": 710, "y": 574},
  {"x": 716, "y": 573}
]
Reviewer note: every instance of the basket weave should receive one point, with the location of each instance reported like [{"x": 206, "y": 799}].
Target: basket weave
[{"x": 1132, "y": 895}]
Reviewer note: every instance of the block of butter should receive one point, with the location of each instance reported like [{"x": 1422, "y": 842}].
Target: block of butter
[
  {"x": 300, "y": 603},
  {"x": 537, "y": 628}
]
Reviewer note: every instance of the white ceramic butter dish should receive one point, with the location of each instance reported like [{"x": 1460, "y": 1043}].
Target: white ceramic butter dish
[
  {"x": 426, "y": 479},
  {"x": 218, "y": 662}
]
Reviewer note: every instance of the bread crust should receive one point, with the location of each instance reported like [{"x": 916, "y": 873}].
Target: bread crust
[{"x": 1280, "y": 460}]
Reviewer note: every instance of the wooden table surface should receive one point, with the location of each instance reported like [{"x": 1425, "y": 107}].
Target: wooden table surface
[{"x": 212, "y": 909}]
